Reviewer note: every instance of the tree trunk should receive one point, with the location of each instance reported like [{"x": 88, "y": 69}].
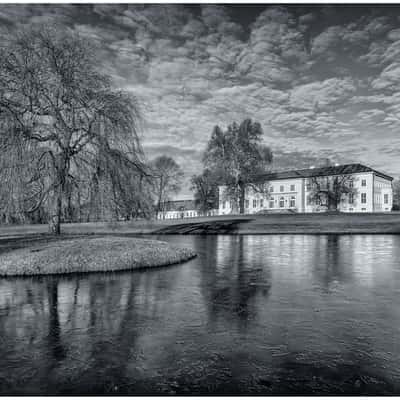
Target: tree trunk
[
  {"x": 59, "y": 189},
  {"x": 332, "y": 202},
  {"x": 55, "y": 213},
  {"x": 242, "y": 193}
]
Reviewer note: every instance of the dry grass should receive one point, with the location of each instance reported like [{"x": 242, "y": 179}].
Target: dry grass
[{"x": 91, "y": 255}]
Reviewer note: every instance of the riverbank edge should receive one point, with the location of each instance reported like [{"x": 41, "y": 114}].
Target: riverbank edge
[
  {"x": 90, "y": 254},
  {"x": 309, "y": 224}
]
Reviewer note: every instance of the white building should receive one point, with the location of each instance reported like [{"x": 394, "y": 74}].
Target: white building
[
  {"x": 290, "y": 190},
  {"x": 182, "y": 208}
]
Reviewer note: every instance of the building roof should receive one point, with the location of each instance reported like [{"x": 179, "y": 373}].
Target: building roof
[{"x": 346, "y": 169}]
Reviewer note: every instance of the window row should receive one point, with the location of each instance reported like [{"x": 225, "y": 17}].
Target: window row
[
  {"x": 273, "y": 203},
  {"x": 292, "y": 188},
  {"x": 292, "y": 201},
  {"x": 350, "y": 199}
]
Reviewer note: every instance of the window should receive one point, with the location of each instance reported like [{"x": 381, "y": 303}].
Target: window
[
  {"x": 351, "y": 198},
  {"x": 271, "y": 203},
  {"x": 271, "y": 188},
  {"x": 282, "y": 188},
  {"x": 386, "y": 198},
  {"x": 292, "y": 188},
  {"x": 254, "y": 203},
  {"x": 363, "y": 209},
  {"x": 281, "y": 202},
  {"x": 247, "y": 204},
  {"x": 293, "y": 201},
  {"x": 351, "y": 183},
  {"x": 308, "y": 187},
  {"x": 363, "y": 198},
  {"x": 262, "y": 203},
  {"x": 224, "y": 205},
  {"x": 363, "y": 182}
]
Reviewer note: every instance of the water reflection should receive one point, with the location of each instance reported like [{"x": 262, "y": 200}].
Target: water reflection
[
  {"x": 252, "y": 314},
  {"x": 235, "y": 280}
]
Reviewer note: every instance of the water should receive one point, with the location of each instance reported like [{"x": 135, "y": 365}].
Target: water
[{"x": 284, "y": 314}]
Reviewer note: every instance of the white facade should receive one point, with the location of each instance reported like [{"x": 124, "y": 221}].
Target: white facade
[
  {"x": 181, "y": 214},
  {"x": 373, "y": 193}
]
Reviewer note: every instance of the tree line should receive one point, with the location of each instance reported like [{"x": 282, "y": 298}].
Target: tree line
[{"x": 70, "y": 147}]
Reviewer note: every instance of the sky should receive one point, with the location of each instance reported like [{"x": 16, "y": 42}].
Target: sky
[{"x": 323, "y": 81}]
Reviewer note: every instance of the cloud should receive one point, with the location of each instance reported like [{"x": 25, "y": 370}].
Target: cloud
[
  {"x": 320, "y": 87},
  {"x": 321, "y": 94},
  {"x": 389, "y": 78}
]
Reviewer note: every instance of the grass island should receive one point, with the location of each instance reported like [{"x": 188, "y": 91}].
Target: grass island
[{"x": 90, "y": 254}]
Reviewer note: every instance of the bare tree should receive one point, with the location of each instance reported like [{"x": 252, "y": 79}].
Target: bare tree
[
  {"x": 58, "y": 105},
  {"x": 205, "y": 187},
  {"x": 396, "y": 194},
  {"x": 328, "y": 191},
  {"x": 167, "y": 179},
  {"x": 239, "y": 158}
]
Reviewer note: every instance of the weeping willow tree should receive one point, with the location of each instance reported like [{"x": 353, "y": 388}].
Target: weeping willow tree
[{"x": 65, "y": 123}]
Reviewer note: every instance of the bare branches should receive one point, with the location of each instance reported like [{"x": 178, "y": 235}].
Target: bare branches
[
  {"x": 238, "y": 157},
  {"x": 53, "y": 98},
  {"x": 328, "y": 191},
  {"x": 167, "y": 176}
]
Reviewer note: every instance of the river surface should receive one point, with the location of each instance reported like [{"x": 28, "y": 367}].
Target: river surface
[{"x": 282, "y": 314}]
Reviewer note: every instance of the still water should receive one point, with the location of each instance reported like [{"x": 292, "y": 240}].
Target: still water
[{"x": 281, "y": 314}]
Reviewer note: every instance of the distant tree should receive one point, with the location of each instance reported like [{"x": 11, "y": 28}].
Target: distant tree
[
  {"x": 205, "y": 187},
  {"x": 396, "y": 194},
  {"x": 328, "y": 191},
  {"x": 65, "y": 113},
  {"x": 168, "y": 177},
  {"x": 238, "y": 157}
]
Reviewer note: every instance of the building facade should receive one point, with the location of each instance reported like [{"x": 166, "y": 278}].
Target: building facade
[{"x": 290, "y": 191}]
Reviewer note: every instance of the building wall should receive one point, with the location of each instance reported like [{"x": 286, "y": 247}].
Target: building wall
[
  {"x": 371, "y": 192},
  {"x": 180, "y": 214},
  {"x": 383, "y": 194},
  {"x": 357, "y": 205},
  {"x": 282, "y": 194}
]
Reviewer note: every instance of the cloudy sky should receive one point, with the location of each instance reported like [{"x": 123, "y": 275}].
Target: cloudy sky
[{"x": 322, "y": 80}]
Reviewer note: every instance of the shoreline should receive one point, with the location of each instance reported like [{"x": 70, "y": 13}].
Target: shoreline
[{"x": 313, "y": 224}]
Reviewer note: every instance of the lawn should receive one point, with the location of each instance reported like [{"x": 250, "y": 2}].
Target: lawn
[
  {"x": 94, "y": 254},
  {"x": 234, "y": 224}
]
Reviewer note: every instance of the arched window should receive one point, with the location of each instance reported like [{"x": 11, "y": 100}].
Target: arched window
[
  {"x": 293, "y": 201},
  {"x": 281, "y": 202}
]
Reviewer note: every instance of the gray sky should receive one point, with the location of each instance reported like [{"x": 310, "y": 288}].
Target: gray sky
[{"x": 323, "y": 81}]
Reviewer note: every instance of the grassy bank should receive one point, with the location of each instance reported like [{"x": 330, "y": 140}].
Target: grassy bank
[
  {"x": 368, "y": 223},
  {"x": 228, "y": 224},
  {"x": 98, "y": 254}
]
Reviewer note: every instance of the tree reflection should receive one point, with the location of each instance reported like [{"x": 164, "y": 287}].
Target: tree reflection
[
  {"x": 233, "y": 281},
  {"x": 332, "y": 260},
  {"x": 54, "y": 332}
]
